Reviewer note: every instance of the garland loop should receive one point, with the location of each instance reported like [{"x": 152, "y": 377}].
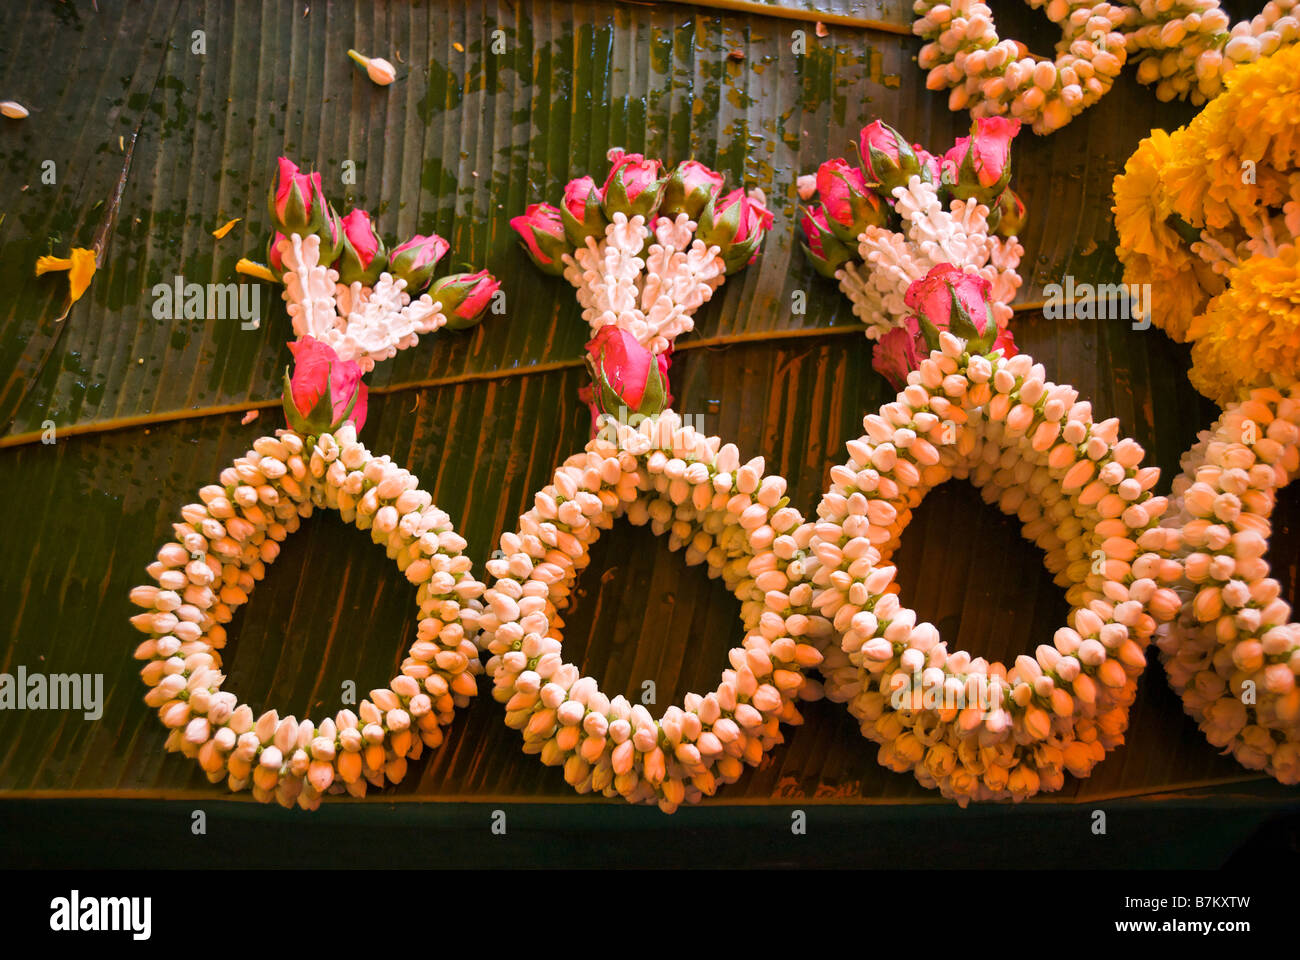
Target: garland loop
[
  {"x": 222, "y": 548},
  {"x": 725, "y": 514},
  {"x": 981, "y": 731}
]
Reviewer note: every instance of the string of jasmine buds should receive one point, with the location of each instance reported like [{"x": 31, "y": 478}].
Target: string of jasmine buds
[
  {"x": 654, "y": 298},
  {"x": 1185, "y": 47},
  {"x": 724, "y": 514},
  {"x": 1188, "y": 47},
  {"x": 362, "y": 323},
  {"x": 991, "y": 76},
  {"x": 893, "y": 260},
  {"x": 1234, "y": 654},
  {"x": 223, "y": 546},
  {"x": 979, "y": 730}
]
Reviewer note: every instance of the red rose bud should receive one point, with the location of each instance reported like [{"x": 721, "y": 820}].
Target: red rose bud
[
  {"x": 626, "y": 374},
  {"x": 899, "y": 352},
  {"x": 886, "y": 158},
  {"x": 735, "y": 224},
  {"x": 850, "y": 204},
  {"x": 949, "y": 299},
  {"x": 581, "y": 212},
  {"x": 929, "y": 163},
  {"x": 1008, "y": 218},
  {"x": 362, "y": 258},
  {"x": 634, "y": 185},
  {"x": 415, "y": 260},
  {"x": 820, "y": 244},
  {"x": 324, "y": 391},
  {"x": 296, "y": 202},
  {"x": 691, "y": 186},
  {"x": 587, "y": 394},
  {"x": 541, "y": 231},
  {"x": 464, "y": 297},
  {"x": 979, "y": 166}
]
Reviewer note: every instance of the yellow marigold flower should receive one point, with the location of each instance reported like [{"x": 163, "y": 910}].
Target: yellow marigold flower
[
  {"x": 1151, "y": 250},
  {"x": 1223, "y": 177},
  {"x": 1230, "y": 154},
  {"x": 81, "y": 270},
  {"x": 1250, "y": 334}
]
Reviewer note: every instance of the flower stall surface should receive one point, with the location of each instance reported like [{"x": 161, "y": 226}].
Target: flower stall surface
[{"x": 850, "y": 639}]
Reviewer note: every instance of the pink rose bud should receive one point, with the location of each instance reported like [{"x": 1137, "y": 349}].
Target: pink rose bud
[
  {"x": 948, "y": 299},
  {"x": 634, "y": 185},
  {"x": 363, "y": 257},
  {"x": 626, "y": 374},
  {"x": 851, "y": 206},
  {"x": 899, "y": 352},
  {"x": 541, "y": 231},
  {"x": 820, "y": 244},
  {"x": 691, "y": 186},
  {"x": 979, "y": 166},
  {"x": 324, "y": 392},
  {"x": 1008, "y": 217},
  {"x": 735, "y": 224},
  {"x": 464, "y": 297},
  {"x": 587, "y": 394},
  {"x": 581, "y": 212},
  {"x": 931, "y": 168},
  {"x": 296, "y": 202},
  {"x": 415, "y": 260},
  {"x": 886, "y": 158}
]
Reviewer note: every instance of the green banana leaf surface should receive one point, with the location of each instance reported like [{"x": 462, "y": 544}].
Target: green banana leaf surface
[{"x": 497, "y": 104}]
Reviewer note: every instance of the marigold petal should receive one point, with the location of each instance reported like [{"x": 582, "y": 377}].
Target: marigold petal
[
  {"x": 47, "y": 264},
  {"x": 225, "y": 228},
  {"x": 81, "y": 273},
  {"x": 252, "y": 268}
]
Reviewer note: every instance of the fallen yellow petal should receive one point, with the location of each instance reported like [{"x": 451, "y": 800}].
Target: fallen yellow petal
[
  {"x": 82, "y": 272},
  {"x": 225, "y": 228},
  {"x": 254, "y": 269},
  {"x": 48, "y": 263}
]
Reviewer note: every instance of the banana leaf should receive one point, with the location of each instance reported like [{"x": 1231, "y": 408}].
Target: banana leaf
[{"x": 497, "y": 104}]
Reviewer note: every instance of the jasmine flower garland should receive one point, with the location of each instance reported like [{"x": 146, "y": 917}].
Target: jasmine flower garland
[
  {"x": 345, "y": 287},
  {"x": 225, "y": 542},
  {"x": 223, "y": 545},
  {"x": 1188, "y": 47},
  {"x": 991, "y": 76},
  {"x": 881, "y": 225},
  {"x": 1185, "y": 47},
  {"x": 1234, "y": 653},
  {"x": 647, "y": 249},
  {"x": 644, "y": 252},
  {"x": 723, "y": 513},
  {"x": 978, "y": 730}
]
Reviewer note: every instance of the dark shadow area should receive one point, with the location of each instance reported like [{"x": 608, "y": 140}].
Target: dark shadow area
[
  {"x": 964, "y": 566},
  {"x": 640, "y": 615},
  {"x": 330, "y": 607}
]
